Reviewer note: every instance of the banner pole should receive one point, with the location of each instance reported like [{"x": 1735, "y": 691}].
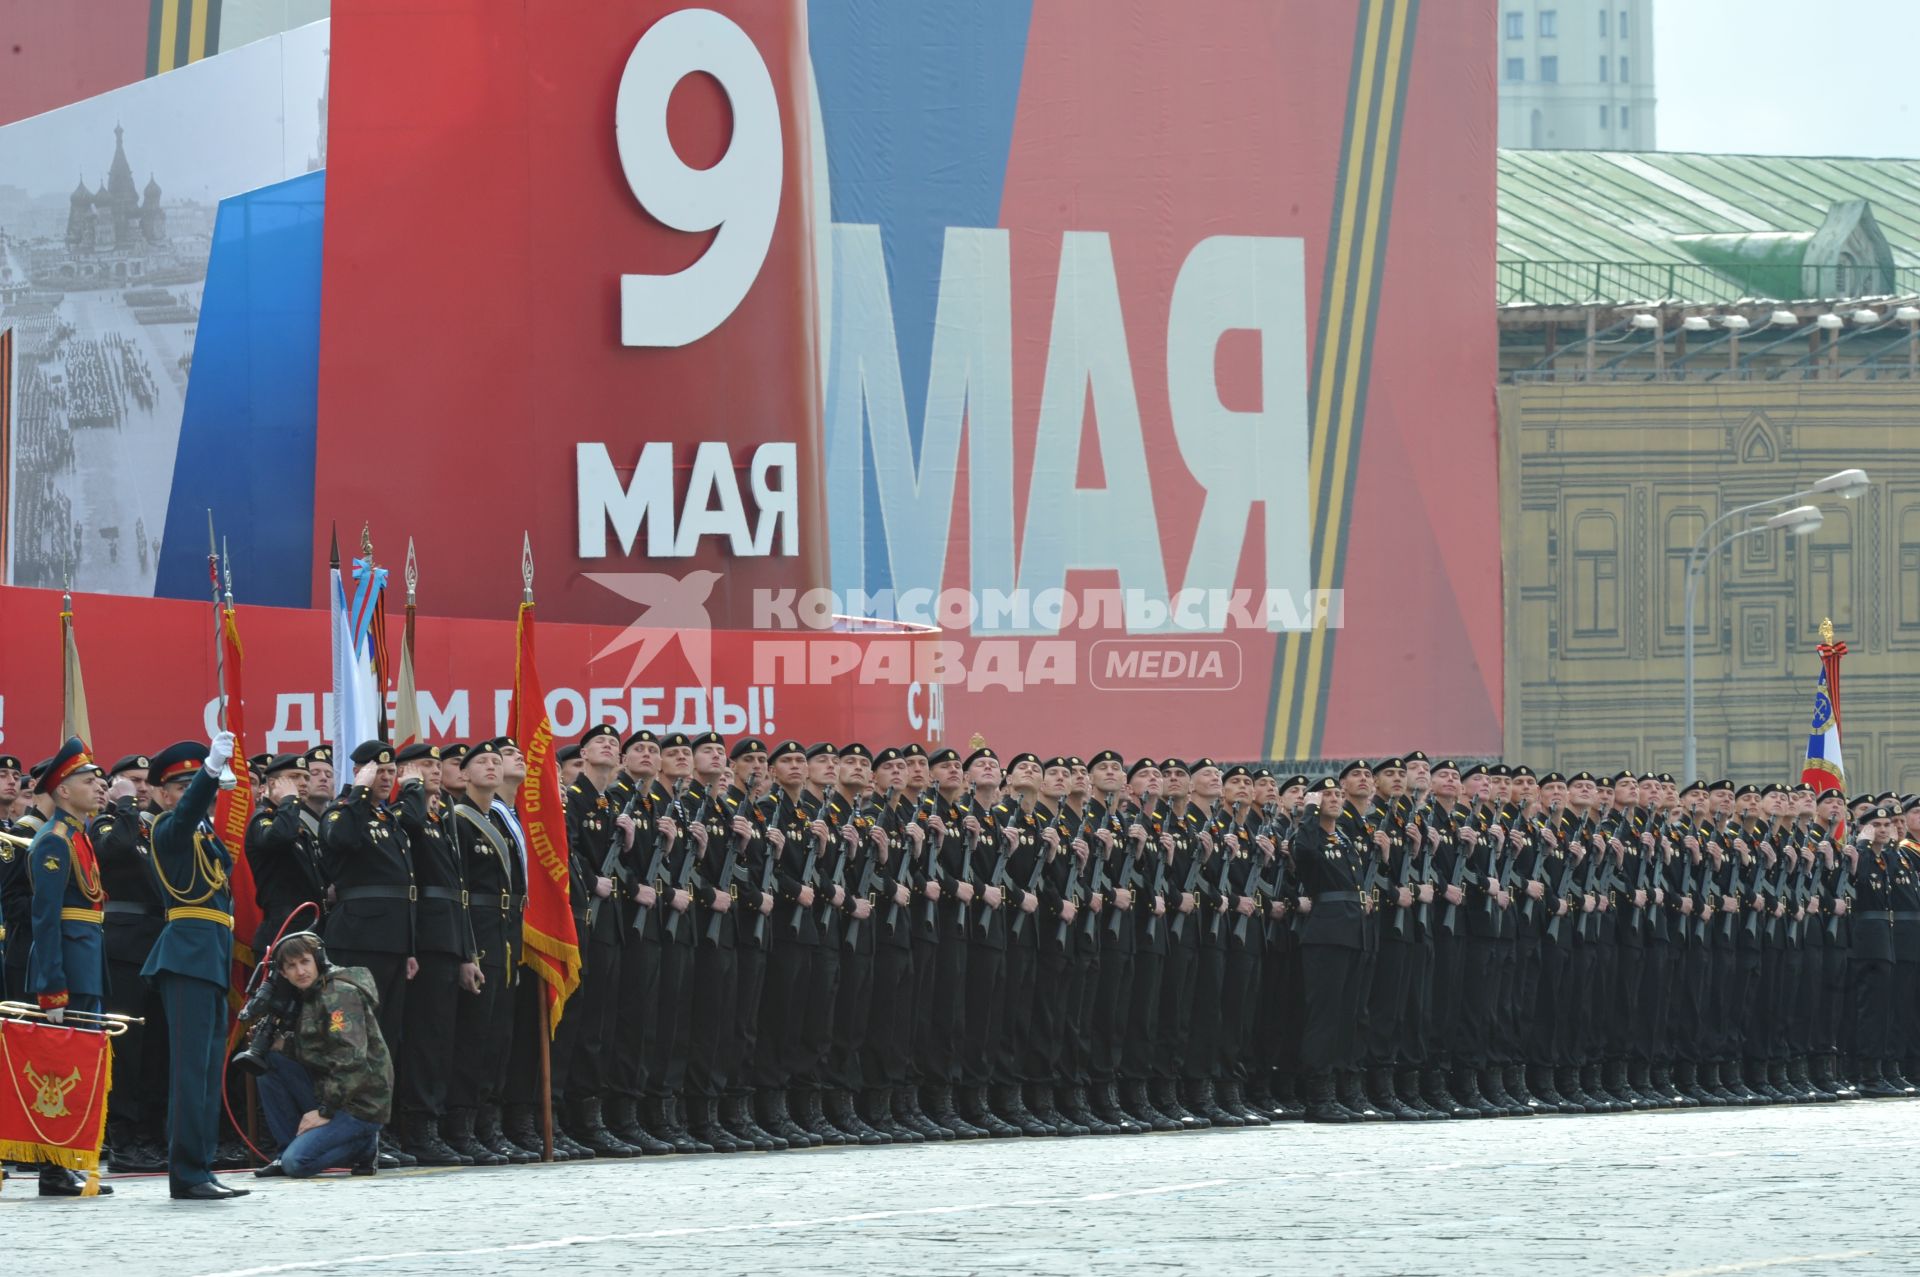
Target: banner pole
[{"x": 546, "y": 1080}]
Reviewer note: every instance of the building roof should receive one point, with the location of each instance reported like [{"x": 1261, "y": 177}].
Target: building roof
[{"x": 1582, "y": 227}]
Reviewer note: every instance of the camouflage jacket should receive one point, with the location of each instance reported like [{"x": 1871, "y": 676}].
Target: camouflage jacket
[{"x": 338, "y": 1039}]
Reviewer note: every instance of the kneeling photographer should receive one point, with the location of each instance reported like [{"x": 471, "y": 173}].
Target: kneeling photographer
[{"x": 325, "y": 1078}]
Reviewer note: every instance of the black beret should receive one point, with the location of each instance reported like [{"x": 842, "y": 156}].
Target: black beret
[
  {"x": 676, "y": 740},
  {"x": 1104, "y": 756},
  {"x": 1553, "y": 778},
  {"x": 1357, "y": 765},
  {"x": 1263, "y": 773},
  {"x": 285, "y": 763},
  {"x": 747, "y": 745},
  {"x": 479, "y": 750},
  {"x": 599, "y": 729},
  {"x": 1059, "y": 761},
  {"x": 566, "y": 753},
  {"x": 785, "y": 747},
  {"x": 1499, "y": 769},
  {"x": 822, "y": 748},
  {"x": 977, "y": 755},
  {"x": 1911, "y": 804},
  {"x": 416, "y": 752},
  {"x": 1881, "y": 813},
  {"x": 10, "y": 763},
  {"x": 1139, "y": 765},
  {"x": 131, "y": 763},
  {"x": 1696, "y": 785},
  {"x": 1832, "y": 793},
  {"x": 709, "y": 738},
  {"x": 453, "y": 753},
  {"x": 1774, "y": 788},
  {"x": 891, "y": 754},
  {"x": 1583, "y": 775},
  {"x": 1721, "y": 786},
  {"x": 644, "y": 736},
  {"x": 1416, "y": 756},
  {"x": 1236, "y": 771},
  {"x": 372, "y": 751},
  {"x": 1391, "y": 764},
  {"x": 39, "y": 769},
  {"x": 1172, "y": 765},
  {"x": 1744, "y": 790},
  {"x": 912, "y": 749},
  {"x": 1478, "y": 769},
  {"x": 1025, "y": 756},
  {"x": 943, "y": 755},
  {"x": 1201, "y": 764},
  {"x": 1325, "y": 785},
  {"x": 1617, "y": 777},
  {"x": 1291, "y": 781},
  {"x": 1445, "y": 765},
  {"x": 856, "y": 750},
  {"x": 256, "y": 763},
  {"x": 177, "y": 760},
  {"x": 320, "y": 754},
  {"x": 1521, "y": 770},
  {"x": 1802, "y": 788}
]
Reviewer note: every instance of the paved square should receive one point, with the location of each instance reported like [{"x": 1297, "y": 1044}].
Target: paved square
[{"x": 1805, "y": 1190}]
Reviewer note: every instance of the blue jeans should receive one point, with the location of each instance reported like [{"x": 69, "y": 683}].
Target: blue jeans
[{"x": 286, "y": 1095}]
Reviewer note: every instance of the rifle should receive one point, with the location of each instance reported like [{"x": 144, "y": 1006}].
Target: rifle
[
  {"x": 768, "y": 864},
  {"x": 1256, "y": 875},
  {"x": 1179, "y": 929},
  {"x": 1096, "y": 883},
  {"x": 968, "y": 842},
  {"x": 1842, "y": 890},
  {"x": 610, "y": 863},
  {"x": 867, "y": 889},
  {"x": 1450, "y": 916},
  {"x": 1040, "y": 859},
  {"x": 998, "y": 878},
  {"x": 1130, "y": 874},
  {"x": 729, "y": 868},
  {"x": 1159, "y": 891},
  {"x": 897, "y": 855},
  {"x": 671, "y": 928},
  {"x": 810, "y": 867},
  {"x": 929, "y": 807},
  {"x": 1223, "y": 886}
]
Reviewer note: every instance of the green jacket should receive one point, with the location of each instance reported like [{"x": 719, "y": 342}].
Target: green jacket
[{"x": 338, "y": 1039}]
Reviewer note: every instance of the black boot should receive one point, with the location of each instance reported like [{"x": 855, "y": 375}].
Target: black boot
[
  {"x": 1015, "y": 1110},
  {"x": 1200, "y": 1098},
  {"x": 1540, "y": 1086},
  {"x": 518, "y": 1128},
  {"x": 1515, "y": 1077},
  {"x": 1493, "y": 1087},
  {"x": 775, "y": 1118},
  {"x": 867, "y": 1132},
  {"x": 707, "y": 1128},
  {"x": 1235, "y": 1102},
  {"x": 589, "y": 1126},
  {"x": 809, "y": 1111},
  {"x": 1465, "y": 1085},
  {"x": 622, "y": 1115},
  {"x": 739, "y": 1118},
  {"x": 1104, "y": 1103},
  {"x": 910, "y": 1107},
  {"x": 457, "y": 1130},
  {"x": 1321, "y": 1104},
  {"x": 1347, "y": 1088},
  {"x": 1380, "y": 1089},
  {"x": 663, "y": 1119},
  {"x": 1875, "y": 1084},
  {"x": 392, "y": 1156},
  {"x": 976, "y": 1106},
  {"x": 58, "y": 1181},
  {"x": 1406, "y": 1085},
  {"x": 1597, "y": 1100},
  {"x": 885, "y": 1118},
  {"x": 1140, "y": 1107},
  {"x": 1041, "y": 1102},
  {"x": 1819, "y": 1072},
  {"x": 948, "y": 1114},
  {"x": 1639, "y": 1091},
  {"x": 1433, "y": 1089},
  {"x": 1165, "y": 1094}
]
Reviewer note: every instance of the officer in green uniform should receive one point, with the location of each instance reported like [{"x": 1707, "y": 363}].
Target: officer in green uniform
[
  {"x": 67, "y": 969},
  {"x": 192, "y": 961}
]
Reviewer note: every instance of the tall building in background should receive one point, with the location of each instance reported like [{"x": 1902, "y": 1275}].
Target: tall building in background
[{"x": 1576, "y": 75}]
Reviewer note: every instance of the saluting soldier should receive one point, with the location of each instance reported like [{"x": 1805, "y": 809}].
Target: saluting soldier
[
  {"x": 284, "y": 853},
  {"x": 444, "y": 949},
  {"x": 24, "y": 816},
  {"x": 67, "y": 968},
  {"x": 191, "y": 962},
  {"x": 137, "y": 1109}
]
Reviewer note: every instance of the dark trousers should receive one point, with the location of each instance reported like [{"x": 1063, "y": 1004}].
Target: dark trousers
[
  {"x": 421, "y": 1067},
  {"x": 1647, "y": 1035},
  {"x": 927, "y": 1061},
  {"x": 1479, "y": 986},
  {"x": 1623, "y": 1013},
  {"x": 1111, "y": 1002},
  {"x": 1416, "y": 1033},
  {"x": 634, "y": 1015},
  {"x": 743, "y": 1043},
  {"x": 1449, "y": 969},
  {"x": 138, "y": 1103},
  {"x": 1387, "y": 1002},
  {"x": 986, "y": 982},
  {"x": 1016, "y": 1011},
  {"x": 482, "y": 1040},
  {"x": 947, "y": 1043},
  {"x": 852, "y": 1013},
  {"x": 1746, "y": 994},
  {"x": 1525, "y": 999},
  {"x": 521, "y": 1084},
  {"x": 1179, "y": 977},
  {"x": 1903, "y": 1034},
  {"x": 389, "y": 972},
  {"x": 1833, "y": 1023},
  {"x": 714, "y": 988},
  {"x": 1083, "y": 985},
  {"x": 1239, "y": 998},
  {"x": 1139, "y": 1053},
  {"x": 1202, "y": 1056},
  {"x": 196, "y": 1048},
  {"x": 823, "y": 998},
  {"x": 1871, "y": 981},
  {"x": 1331, "y": 976},
  {"x": 883, "y": 1056},
  {"x": 594, "y": 1013},
  {"x": 778, "y": 1054},
  {"x": 672, "y": 1026},
  {"x": 1047, "y": 1022}
]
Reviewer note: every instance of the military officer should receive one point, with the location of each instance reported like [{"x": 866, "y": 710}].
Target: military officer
[
  {"x": 67, "y": 967},
  {"x": 284, "y": 854},
  {"x": 192, "y": 960},
  {"x": 23, "y": 817},
  {"x": 137, "y": 1110}
]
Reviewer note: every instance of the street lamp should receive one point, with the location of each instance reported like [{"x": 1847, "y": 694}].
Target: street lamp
[{"x": 1801, "y": 520}]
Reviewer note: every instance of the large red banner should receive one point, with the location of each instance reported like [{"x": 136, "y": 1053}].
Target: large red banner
[{"x": 53, "y": 1100}]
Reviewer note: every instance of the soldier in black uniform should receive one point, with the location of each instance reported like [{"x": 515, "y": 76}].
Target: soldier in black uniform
[
  {"x": 779, "y": 1057},
  {"x": 1875, "y": 865},
  {"x": 367, "y": 862},
  {"x": 953, "y": 853},
  {"x": 483, "y": 1016},
  {"x": 917, "y": 806},
  {"x": 714, "y": 844},
  {"x": 885, "y": 1058},
  {"x": 444, "y": 951},
  {"x": 1331, "y": 868},
  {"x": 137, "y": 1109},
  {"x": 1177, "y": 824},
  {"x": 22, "y": 818},
  {"x": 595, "y": 839},
  {"x": 283, "y": 854},
  {"x": 1903, "y": 1033},
  {"x": 1149, "y": 849},
  {"x": 751, "y": 888},
  {"x": 852, "y": 822},
  {"x": 640, "y": 799},
  {"x": 987, "y": 947},
  {"x": 1021, "y": 872}
]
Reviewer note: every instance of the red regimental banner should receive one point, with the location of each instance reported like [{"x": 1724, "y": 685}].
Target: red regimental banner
[
  {"x": 552, "y": 946},
  {"x": 53, "y": 1097}
]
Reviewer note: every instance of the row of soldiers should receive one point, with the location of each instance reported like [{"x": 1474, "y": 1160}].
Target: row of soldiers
[{"x": 793, "y": 945}]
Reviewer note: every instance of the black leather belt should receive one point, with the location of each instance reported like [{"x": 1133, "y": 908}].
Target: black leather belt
[
  {"x": 1338, "y": 898},
  {"x": 133, "y": 909},
  {"x": 443, "y": 893},
  {"x": 1897, "y": 917},
  {"x": 378, "y": 893}
]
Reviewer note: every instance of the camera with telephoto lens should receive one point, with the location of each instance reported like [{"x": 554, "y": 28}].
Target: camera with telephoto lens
[{"x": 272, "y": 1008}]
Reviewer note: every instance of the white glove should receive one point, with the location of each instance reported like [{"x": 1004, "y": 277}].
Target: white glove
[
  {"x": 56, "y": 1015},
  {"x": 219, "y": 751}
]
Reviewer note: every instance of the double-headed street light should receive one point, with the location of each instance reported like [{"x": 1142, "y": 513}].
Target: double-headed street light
[{"x": 1801, "y": 520}]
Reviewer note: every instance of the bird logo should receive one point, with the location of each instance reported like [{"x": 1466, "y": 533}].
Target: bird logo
[
  {"x": 50, "y": 1093},
  {"x": 672, "y": 607}
]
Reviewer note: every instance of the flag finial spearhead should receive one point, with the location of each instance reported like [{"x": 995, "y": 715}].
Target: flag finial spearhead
[
  {"x": 977, "y": 741},
  {"x": 366, "y": 541},
  {"x": 413, "y": 572},
  {"x": 526, "y": 567},
  {"x": 1826, "y": 630}
]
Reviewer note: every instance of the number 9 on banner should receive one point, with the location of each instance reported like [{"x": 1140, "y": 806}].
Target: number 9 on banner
[{"x": 739, "y": 197}]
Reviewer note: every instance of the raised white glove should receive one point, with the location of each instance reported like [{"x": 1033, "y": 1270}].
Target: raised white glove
[
  {"x": 219, "y": 751},
  {"x": 56, "y": 1015}
]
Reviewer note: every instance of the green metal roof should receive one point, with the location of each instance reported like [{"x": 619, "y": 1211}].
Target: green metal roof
[{"x": 1581, "y": 227}]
